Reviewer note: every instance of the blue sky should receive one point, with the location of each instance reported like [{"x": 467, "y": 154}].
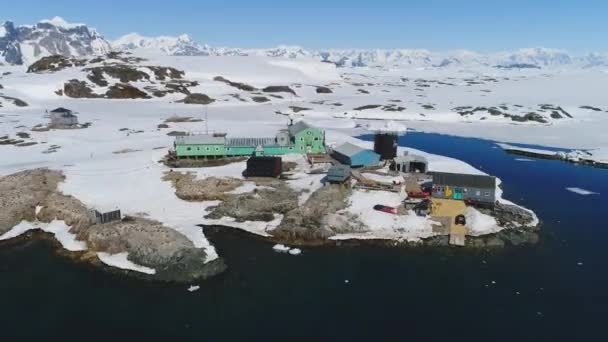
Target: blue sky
[{"x": 433, "y": 24}]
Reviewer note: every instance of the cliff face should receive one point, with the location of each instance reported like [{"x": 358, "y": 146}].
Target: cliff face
[{"x": 25, "y": 44}]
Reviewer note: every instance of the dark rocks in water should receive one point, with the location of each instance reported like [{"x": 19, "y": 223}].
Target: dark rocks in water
[
  {"x": 125, "y": 91},
  {"x": 260, "y": 99},
  {"x": 1, "y": 87},
  {"x": 23, "y": 135},
  {"x": 161, "y": 126},
  {"x": 363, "y": 91},
  {"x": 279, "y": 89},
  {"x": 555, "y": 115},
  {"x": 78, "y": 90},
  {"x": 324, "y": 90},
  {"x": 54, "y": 63},
  {"x": 368, "y": 107},
  {"x": 17, "y": 102},
  {"x": 238, "y": 85},
  {"x": 197, "y": 98},
  {"x": 428, "y": 107}
]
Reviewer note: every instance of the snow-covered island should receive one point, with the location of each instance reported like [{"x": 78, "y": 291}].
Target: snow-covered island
[{"x": 126, "y": 108}]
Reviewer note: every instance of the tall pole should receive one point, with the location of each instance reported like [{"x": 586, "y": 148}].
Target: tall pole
[{"x": 206, "y": 121}]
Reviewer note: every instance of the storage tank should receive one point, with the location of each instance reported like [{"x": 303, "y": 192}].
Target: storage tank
[{"x": 385, "y": 144}]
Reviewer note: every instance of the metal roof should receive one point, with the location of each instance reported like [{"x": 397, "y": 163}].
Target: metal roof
[
  {"x": 348, "y": 149},
  {"x": 200, "y": 139},
  {"x": 457, "y": 179},
  {"x": 339, "y": 169},
  {"x": 248, "y": 142},
  {"x": 61, "y": 110},
  {"x": 298, "y": 127},
  {"x": 410, "y": 158}
]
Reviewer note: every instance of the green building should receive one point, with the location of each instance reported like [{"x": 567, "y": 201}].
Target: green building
[{"x": 297, "y": 138}]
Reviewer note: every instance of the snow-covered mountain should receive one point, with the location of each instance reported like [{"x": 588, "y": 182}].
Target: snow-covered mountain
[
  {"x": 399, "y": 58},
  {"x": 181, "y": 45},
  {"x": 26, "y": 44}
]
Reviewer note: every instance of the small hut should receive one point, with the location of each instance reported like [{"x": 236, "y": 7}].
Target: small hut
[
  {"x": 338, "y": 174},
  {"x": 410, "y": 163},
  {"x": 62, "y": 117},
  {"x": 264, "y": 167}
]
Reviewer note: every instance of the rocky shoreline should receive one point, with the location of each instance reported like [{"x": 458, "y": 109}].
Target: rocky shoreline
[{"x": 33, "y": 196}]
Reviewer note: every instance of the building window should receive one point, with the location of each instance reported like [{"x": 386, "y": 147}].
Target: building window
[
  {"x": 478, "y": 193},
  {"x": 291, "y": 148},
  {"x": 188, "y": 148},
  {"x": 487, "y": 194},
  {"x": 302, "y": 139},
  {"x": 316, "y": 138},
  {"x": 207, "y": 148},
  {"x": 309, "y": 133},
  {"x": 465, "y": 190},
  {"x": 217, "y": 149}
]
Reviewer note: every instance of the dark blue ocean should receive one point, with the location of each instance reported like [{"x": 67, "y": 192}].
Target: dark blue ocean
[{"x": 555, "y": 290}]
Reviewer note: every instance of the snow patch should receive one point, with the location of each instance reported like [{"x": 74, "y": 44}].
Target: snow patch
[
  {"x": 121, "y": 261},
  {"x": 59, "y": 229}
]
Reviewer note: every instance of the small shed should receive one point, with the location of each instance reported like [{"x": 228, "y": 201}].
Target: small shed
[
  {"x": 472, "y": 188},
  {"x": 264, "y": 167},
  {"x": 61, "y": 117},
  {"x": 410, "y": 163},
  {"x": 106, "y": 217},
  {"x": 355, "y": 156},
  {"x": 338, "y": 174}
]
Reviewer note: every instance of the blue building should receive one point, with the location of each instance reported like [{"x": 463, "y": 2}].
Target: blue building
[{"x": 355, "y": 156}]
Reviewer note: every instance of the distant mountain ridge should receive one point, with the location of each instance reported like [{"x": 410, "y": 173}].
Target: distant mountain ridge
[
  {"x": 523, "y": 58},
  {"x": 26, "y": 44}
]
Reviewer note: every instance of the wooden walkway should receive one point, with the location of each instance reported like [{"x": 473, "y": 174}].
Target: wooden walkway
[{"x": 449, "y": 209}]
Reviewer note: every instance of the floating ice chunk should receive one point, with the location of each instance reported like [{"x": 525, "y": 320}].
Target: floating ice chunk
[
  {"x": 295, "y": 251},
  {"x": 285, "y": 249},
  {"x": 582, "y": 192},
  {"x": 281, "y": 248},
  {"x": 194, "y": 288}
]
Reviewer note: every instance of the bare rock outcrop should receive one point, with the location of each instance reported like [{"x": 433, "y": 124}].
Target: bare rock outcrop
[
  {"x": 317, "y": 220},
  {"x": 148, "y": 243}
]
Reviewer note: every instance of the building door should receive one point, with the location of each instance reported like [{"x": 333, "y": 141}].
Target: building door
[{"x": 457, "y": 193}]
